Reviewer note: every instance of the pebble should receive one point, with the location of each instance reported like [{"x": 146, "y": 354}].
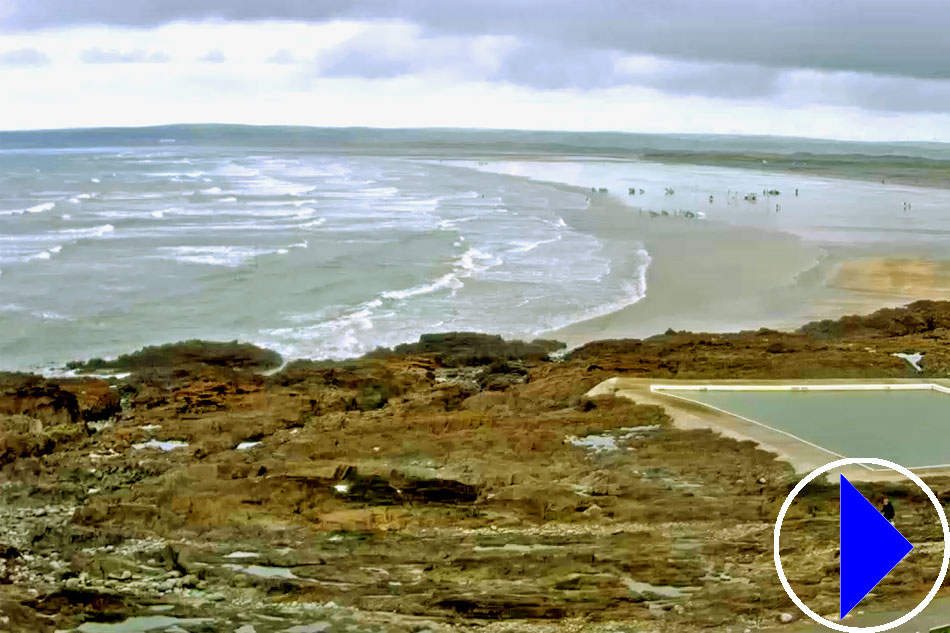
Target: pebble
[
  {"x": 785, "y": 618},
  {"x": 168, "y": 585},
  {"x": 594, "y": 511},
  {"x": 189, "y": 581}
]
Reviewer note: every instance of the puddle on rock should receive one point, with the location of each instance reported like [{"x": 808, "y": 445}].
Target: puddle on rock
[
  {"x": 169, "y": 445},
  {"x": 513, "y": 547},
  {"x": 262, "y": 571},
  {"x": 607, "y": 442},
  {"x": 653, "y": 592},
  {"x": 143, "y": 624}
]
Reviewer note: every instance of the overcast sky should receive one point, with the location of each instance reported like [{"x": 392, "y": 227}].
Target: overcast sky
[{"x": 868, "y": 69}]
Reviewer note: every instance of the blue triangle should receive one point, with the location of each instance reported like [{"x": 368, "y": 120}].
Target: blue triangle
[{"x": 870, "y": 547}]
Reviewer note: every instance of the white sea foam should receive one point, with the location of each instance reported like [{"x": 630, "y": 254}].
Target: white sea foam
[
  {"x": 38, "y": 208},
  {"x": 228, "y": 256},
  {"x": 527, "y": 247},
  {"x": 232, "y": 169},
  {"x": 95, "y": 231},
  {"x": 449, "y": 280},
  {"x": 475, "y": 260},
  {"x": 632, "y": 291}
]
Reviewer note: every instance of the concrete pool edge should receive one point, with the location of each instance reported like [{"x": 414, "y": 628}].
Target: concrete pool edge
[{"x": 802, "y": 455}]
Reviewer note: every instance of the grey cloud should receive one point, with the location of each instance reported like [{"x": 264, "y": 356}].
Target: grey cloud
[
  {"x": 110, "y": 56},
  {"x": 541, "y": 65},
  {"x": 876, "y": 36},
  {"x": 24, "y": 57},
  {"x": 729, "y": 81},
  {"x": 393, "y": 51},
  {"x": 214, "y": 57},
  {"x": 551, "y": 67},
  {"x": 894, "y": 94}
]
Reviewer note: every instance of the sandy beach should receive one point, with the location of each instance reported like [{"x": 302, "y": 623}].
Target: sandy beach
[
  {"x": 841, "y": 249},
  {"x": 893, "y": 279}
]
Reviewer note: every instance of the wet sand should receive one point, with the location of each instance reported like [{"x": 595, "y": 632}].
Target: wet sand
[{"x": 706, "y": 276}]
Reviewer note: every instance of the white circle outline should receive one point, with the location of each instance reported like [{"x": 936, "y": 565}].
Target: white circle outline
[{"x": 880, "y": 627}]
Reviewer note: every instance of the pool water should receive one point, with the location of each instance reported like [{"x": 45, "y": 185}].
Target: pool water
[{"x": 911, "y": 428}]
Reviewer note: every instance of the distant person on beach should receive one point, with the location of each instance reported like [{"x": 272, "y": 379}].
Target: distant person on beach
[{"x": 888, "y": 511}]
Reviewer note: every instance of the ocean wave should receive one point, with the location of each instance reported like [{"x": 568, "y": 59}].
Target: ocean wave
[
  {"x": 527, "y": 247},
  {"x": 233, "y": 169},
  {"x": 474, "y": 260},
  {"x": 38, "y": 208},
  {"x": 340, "y": 336},
  {"x": 268, "y": 185},
  {"x": 428, "y": 204},
  {"x": 227, "y": 256},
  {"x": 632, "y": 291},
  {"x": 371, "y": 193},
  {"x": 449, "y": 280},
  {"x": 447, "y": 225},
  {"x": 95, "y": 231},
  {"x": 46, "y": 254}
]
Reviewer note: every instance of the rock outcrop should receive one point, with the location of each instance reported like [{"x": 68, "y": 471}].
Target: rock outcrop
[{"x": 441, "y": 485}]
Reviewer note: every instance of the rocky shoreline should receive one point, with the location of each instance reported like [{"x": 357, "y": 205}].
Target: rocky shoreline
[{"x": 464, "y": 482}]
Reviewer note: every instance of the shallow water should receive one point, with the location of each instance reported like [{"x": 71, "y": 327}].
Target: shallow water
[{"x": 826, "y": 211}]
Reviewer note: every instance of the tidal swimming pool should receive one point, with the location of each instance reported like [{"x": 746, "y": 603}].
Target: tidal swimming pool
[{"x": 910, "y": 427}]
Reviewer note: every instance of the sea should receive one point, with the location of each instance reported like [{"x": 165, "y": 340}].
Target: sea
[{"x": 327, "y": 244}]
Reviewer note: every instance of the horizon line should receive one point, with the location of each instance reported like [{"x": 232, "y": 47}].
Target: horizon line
[{"x": 93, "y": 128}]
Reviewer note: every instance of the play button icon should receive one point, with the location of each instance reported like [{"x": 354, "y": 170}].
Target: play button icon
[{"x": 870, "y": 547}]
